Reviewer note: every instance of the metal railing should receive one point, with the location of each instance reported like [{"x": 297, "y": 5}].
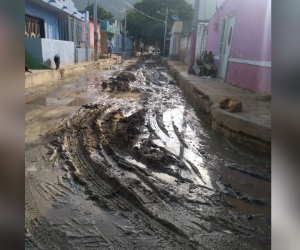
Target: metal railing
[{"x": 75, "y": 31}]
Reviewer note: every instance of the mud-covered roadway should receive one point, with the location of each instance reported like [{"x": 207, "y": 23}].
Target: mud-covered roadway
[{"x": 120, "y": 160}]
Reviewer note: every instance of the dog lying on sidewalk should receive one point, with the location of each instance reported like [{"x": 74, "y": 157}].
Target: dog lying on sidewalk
[{"x": 231, "y": 104}]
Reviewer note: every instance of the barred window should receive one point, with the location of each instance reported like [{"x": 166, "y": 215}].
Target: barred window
[{"x": 34, "y": 27}]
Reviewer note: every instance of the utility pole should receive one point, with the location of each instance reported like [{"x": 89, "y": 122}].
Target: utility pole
[
  {"x": 166, "y": 22},
  {"x": 95, "y": 32},
  {"x": 124, "y": 39},
  {"x": 194, "y": 36}
]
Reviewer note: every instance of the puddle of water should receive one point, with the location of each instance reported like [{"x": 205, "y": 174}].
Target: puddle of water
[
  {"x": 247, "y": 208},
  {"x": 78, "y": 102},
  {"x": 165, "y": 177},
  {"x": 186, "y": 154},
  {"x": 243, "y": 182},
  {"x": 49, "y": 101}
]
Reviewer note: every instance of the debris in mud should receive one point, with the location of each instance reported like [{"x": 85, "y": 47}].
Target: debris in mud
[
  {"x": 91, "y": 106},
  {"x": 126, "y": 76},
  {"x": 119, "y": 86},
  {"x": 120, "y": 82},
  {"x": 104, "y": 85},
  {"x": 126, "y": 187}
]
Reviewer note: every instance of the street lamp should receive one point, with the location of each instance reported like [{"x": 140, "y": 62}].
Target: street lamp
[{"x": 165, "y": 28}]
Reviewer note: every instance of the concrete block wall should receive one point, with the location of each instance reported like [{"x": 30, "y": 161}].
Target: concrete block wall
[
  {"x": 44, "y": 50},
  {"x": 50, "y": 76},
  {"x": 82, "y": 55},
  {"x": 244, "y": 131}
]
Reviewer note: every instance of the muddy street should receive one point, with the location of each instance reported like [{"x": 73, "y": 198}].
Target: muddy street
[{"x": 119, "y": 159}]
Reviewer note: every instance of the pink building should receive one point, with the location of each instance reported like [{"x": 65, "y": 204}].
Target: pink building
[
  {"x": 92, "y": 33},
  {"x": 239, "y": 35}
]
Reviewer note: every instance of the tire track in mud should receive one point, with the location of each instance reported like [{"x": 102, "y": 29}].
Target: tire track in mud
[
  {"x": 116, "y": 187},
  {"x": 119, "y": 164},
  {"x": 137, "y": 202}
]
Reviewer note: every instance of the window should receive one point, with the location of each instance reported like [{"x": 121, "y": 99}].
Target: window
[
  {"x": 229, "y": 36},
  {"x": 34, "y": 27}
]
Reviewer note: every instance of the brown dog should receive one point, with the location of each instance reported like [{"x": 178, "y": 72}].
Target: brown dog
[{"x": 230, "y": 104}]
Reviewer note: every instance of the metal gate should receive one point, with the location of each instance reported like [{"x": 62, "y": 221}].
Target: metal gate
[
  {"x": 73, "y": 30},
  {"x": 202, "y": 30}
]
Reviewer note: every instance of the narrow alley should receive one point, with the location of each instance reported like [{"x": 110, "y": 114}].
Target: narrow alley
[{"x": 119, "y": 159}]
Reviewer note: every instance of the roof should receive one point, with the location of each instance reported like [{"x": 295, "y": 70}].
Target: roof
[
  {"x": 91, "y": 17},
  {"x": 64, "y": 8}
]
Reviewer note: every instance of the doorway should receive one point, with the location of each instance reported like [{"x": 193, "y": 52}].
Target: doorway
[{"x": 225, "y": 44}]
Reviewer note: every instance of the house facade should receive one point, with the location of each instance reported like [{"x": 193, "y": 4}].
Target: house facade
[
  {"x": 92, "y": 35},
  {"x": 175, "y": 40},
  {"x": 55, "y": 27},
  {"x": 239, "y": 35},
  {"x": 109, "y": 29},
  {"x": 180, "y": 40}
]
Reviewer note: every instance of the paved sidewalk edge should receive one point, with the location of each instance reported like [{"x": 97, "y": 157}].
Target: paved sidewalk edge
[
  {"x": 243, "y": 131},
  {"x": 44, "y": 76}
]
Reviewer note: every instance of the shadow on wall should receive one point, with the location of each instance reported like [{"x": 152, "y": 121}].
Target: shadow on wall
[{"x": 48, "y": 62}]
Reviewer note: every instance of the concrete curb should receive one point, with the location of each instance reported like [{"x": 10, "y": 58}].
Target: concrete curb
[
  {"x": 39, "y": 77},
  {"x": 246, "y": 128}
]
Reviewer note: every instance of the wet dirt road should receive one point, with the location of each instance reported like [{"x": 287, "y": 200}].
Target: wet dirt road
[{"x": 120, "y": 160}]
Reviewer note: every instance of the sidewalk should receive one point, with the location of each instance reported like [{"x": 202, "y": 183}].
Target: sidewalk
[
  {"x": 38, "y": 77},
  {"x": 251, "y": 127}
]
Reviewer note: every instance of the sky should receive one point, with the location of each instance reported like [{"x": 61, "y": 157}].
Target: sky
[{"x": 207, "y": 7}]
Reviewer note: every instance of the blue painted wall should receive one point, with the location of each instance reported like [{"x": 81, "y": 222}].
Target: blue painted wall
[
  {"x": 49, "y": 17},
  {"x": 44, "y": 50}
]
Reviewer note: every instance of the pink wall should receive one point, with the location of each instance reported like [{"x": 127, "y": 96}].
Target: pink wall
[
  {"x": 92, "y": 34},
  {"x": 251, "y": 41},
  {"x": 254, "y": 78}
]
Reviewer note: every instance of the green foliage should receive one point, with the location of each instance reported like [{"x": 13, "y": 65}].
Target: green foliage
[
  {"x": 152, "y": 31},
  {"x": 101, "y": 13},
  {"x": 32, "y": 62}
]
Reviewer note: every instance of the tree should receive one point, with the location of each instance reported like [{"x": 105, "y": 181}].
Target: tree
[
  {"x": 152, "y": 31},
  {"x": 101, "y": 13}
]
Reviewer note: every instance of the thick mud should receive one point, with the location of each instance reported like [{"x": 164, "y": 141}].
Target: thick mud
[{"x": 124, "y": 162}]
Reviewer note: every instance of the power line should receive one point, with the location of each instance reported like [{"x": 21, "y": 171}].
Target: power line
[
  {"x": 143, "y": 12},
  {"x": 112, "y": 5}
]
